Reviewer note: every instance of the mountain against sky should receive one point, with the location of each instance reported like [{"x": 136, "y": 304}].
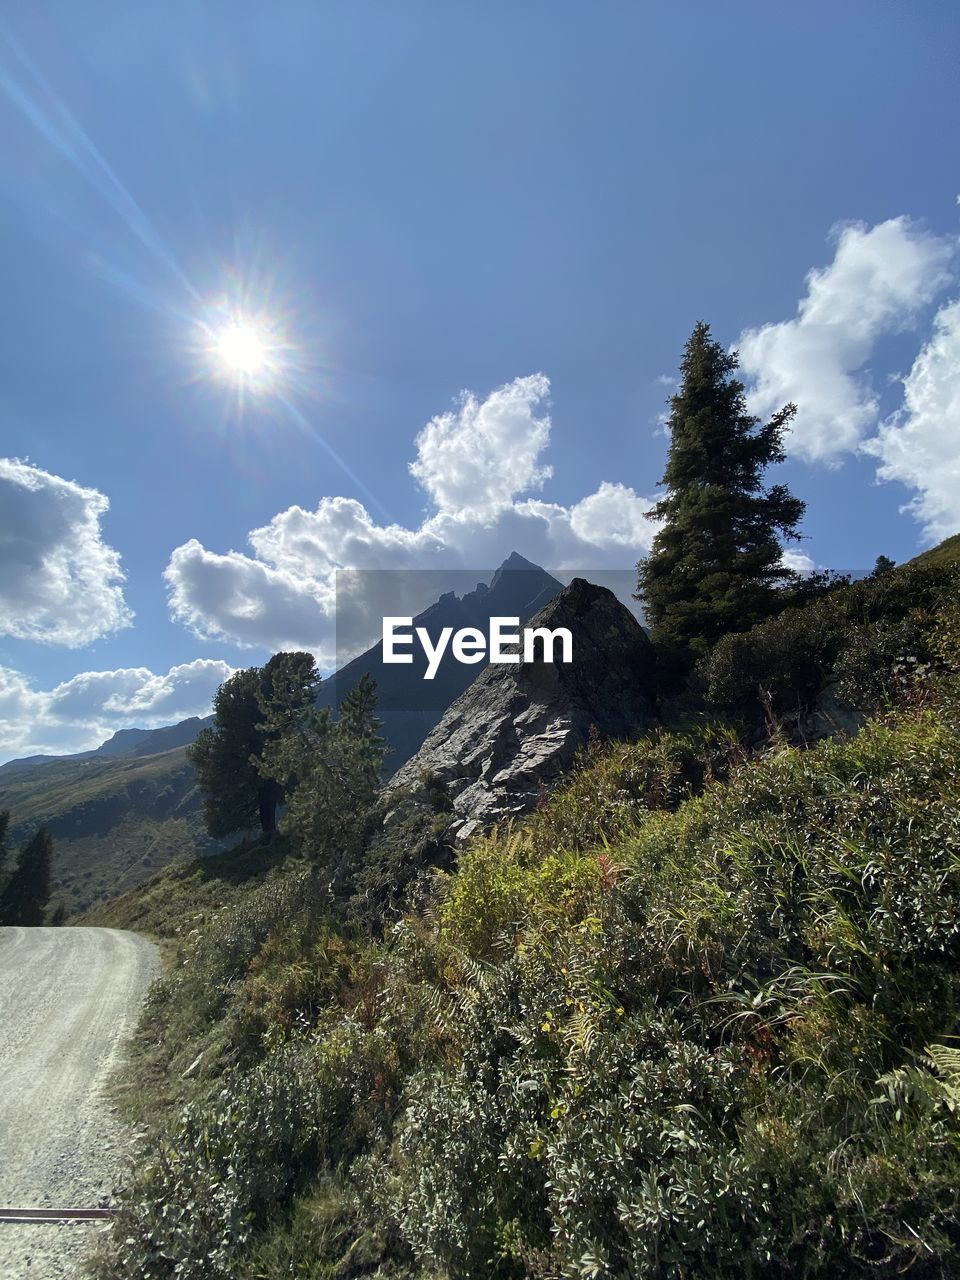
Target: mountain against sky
[
  {"x": 640, "y": 961},
  {"x": 516, "y": 728},
  {"x": 252, "y": 339},
  {"x": 124, "y": 810},
  {"x": 410, "y": 706},
  {"x": 125, "y": 742}
]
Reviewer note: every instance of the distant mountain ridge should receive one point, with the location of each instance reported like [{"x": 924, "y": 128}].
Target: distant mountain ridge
[
  {"x": 409, "y": 707},
  {"x": 125, "y": 742}
]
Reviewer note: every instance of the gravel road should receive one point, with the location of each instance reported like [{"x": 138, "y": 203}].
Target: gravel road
[{"x": 69, "y": 998}]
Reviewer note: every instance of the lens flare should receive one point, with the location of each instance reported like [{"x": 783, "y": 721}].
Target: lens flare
[{"x": 247, "y": 351}]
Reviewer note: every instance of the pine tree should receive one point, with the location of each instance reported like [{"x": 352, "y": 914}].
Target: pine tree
[
  {"x": 224, "y": 757},
  {"x": 362, "y": 749},
  {"x": 715, "y": 565},
  {"x": 331, "y": 771},
  {"x": 26, "y": 893},
  {"x": 252, "y": 710},
  {"x": 288, "y": 686}
]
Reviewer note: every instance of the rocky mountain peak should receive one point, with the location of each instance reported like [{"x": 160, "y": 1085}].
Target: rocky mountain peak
[
  {"x": 409, "y": 706},
  {"x": 519, "y": 725}
]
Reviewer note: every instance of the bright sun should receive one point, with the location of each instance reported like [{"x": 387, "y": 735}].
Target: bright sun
[
  {"x": 241, "y": 349},
  {"x": 248, "y": 351}
]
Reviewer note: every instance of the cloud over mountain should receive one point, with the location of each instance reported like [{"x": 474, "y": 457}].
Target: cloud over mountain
[
  {"x": 82, "y": 712},
  {"x": 479, "y": 463}
]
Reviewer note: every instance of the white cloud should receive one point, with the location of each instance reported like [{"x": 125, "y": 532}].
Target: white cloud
[
  {"x": 879, "y": 280},
  {"x": 340, "y": 532},
  {"x": 236, "y": 598},
  {"x": 475, "y": 461},
  {"x": 84, "y": 711},
  {"x": 59, "y": 581},
  {"x": 798, "y": 561},
  {"x": 614, "y": 516},
  {"x": 920, "y": 444},
  {"x": 475, "y": 464}
]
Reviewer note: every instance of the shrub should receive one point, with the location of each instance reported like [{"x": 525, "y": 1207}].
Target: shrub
[{"x": 855, "y": 638}]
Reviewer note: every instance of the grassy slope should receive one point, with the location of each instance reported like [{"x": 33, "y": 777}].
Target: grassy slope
[
  {"x": 187, "y": 894},
  {"x": 945, "y": 553},
  {"x": 676, "y": 1036},
  {"x": 114, "y": 821}
]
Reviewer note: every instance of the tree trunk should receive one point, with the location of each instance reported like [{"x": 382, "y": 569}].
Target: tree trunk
[{"x": 267, "y": 802}]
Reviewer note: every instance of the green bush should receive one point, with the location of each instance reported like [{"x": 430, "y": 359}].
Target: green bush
[
  {"x": 857, "y": 639},
  {"x": 678, "y": 1073}
]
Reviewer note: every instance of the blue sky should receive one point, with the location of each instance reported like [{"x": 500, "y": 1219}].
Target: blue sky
[{"x": 532, "y": 203}]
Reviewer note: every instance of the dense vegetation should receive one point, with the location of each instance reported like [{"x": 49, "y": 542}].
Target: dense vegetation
[{"x": 695, "y": 1017}]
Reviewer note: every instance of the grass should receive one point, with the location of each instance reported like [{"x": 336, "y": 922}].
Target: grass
[
  {"x": 183, "y": 896},
  {"x": 687, "y": 1019},
  {"x": 941, "y": 556}
]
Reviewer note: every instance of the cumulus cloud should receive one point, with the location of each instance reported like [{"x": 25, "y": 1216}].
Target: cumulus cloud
[
  {"x": 798, "y": 561},
  {"x": 59, "y": 581},
  {"x": 920, "y": 444},
  {"x": 233, "y": 597},
  {"x": 480, "y": 465},
  {"x": 612, "y": 517},
  {"x": 476, "y": 460},
  {"x": 880, "y": 279},
  {"x": 84, "y": 711}
]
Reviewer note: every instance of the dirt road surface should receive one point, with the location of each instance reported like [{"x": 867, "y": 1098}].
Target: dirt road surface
[{"x": 69, "y": 999}]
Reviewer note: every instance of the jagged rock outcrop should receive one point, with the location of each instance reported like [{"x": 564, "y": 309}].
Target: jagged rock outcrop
[
  {"x": 519, "y": 726},
  {"x": 408, "y": 706}
]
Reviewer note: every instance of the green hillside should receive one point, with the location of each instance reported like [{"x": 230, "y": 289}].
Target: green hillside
[
  {"x": 942, "y": 555},
  {"x": 695, "y": 1017},
  {"x": 114, "y": 820}
]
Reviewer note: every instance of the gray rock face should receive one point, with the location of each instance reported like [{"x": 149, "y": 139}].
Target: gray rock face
[
  {"x": 518, "y": 726},
  {"x": 410, "y": 709}
]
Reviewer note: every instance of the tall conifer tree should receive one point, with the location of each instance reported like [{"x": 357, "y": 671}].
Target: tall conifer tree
[
  {"x": 224, "y": 756},
  {"x": 715, "y": 565}
]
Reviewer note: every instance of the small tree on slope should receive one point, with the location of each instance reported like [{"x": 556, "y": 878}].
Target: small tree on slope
[
  {"x": 715, "y": 565},
  {"x": 26, "y": 893}
]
